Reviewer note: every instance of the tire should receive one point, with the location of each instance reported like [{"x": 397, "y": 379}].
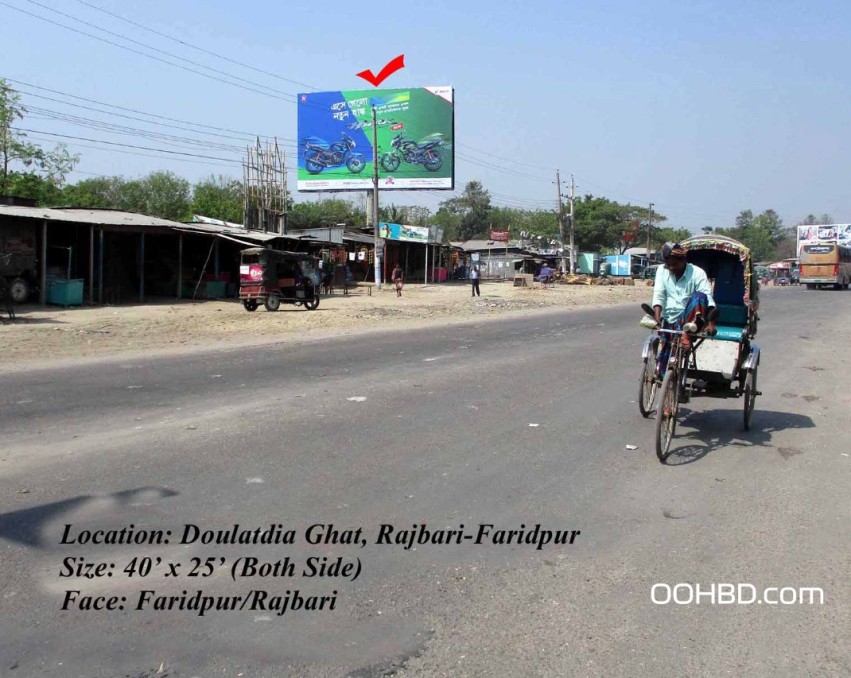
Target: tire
[
  {"x": 19, "y": 291},
  {"x": 273, "y": 302},
  {"x": 312, "y": 164},
  {"x": 390, "y": 162},
  {"x": 750, "y": 398},
  {"x": 647, "y": 387},
  {"x": 250, "y": 305},
  {"x": 312, "y": 304},
  {"x": 666, "y": 413},
  {"x": 433, "y": 161},
  {"x": 355, "y": 164}
]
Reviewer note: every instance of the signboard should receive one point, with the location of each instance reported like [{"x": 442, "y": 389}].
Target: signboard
[
  {"x": 403, "y": 232},
  {"x": 816, "y": 234},
  {"x": 499, "y": 236},
  {"x": 415, "y": 139}
]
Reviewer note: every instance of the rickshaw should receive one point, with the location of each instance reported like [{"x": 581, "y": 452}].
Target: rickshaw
[
  {"x": 723, "y": 365},
  {"x": 274, "y": 277}
]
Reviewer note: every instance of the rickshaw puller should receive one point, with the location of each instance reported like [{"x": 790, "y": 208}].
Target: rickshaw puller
[{"x": 681, "y": 293}]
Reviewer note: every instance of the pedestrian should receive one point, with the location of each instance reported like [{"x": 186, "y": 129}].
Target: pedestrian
[
  {"x": 398, "y": 279},
  {"x": 474, "y": 279}
]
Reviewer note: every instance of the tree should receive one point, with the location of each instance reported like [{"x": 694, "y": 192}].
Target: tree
[
  {"x": 16, "y": 151},
  {"x": 99, "y": 192},
  {"x": 467, "y": 216},
  {"x": 218, "y": 198}
]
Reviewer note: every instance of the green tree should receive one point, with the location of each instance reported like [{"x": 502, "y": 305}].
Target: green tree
[
  {"x": 326, "y": 213},
  {"x": 218, "y": 198},
  {"x": 15, "y": 151},
  {"x": 468, "y": 215},
  {"x": 99, "y": 192}
]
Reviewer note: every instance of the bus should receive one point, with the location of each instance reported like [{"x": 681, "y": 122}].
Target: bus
[{"x": 825, "y": 264}]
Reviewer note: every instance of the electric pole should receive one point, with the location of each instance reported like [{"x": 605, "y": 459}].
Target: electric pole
[
  {"x": 378, "y": 252},
  {"x": 649, "y": 231},
  {"x": 560, "y": 218},
  {"x": 572, "y": 229}
]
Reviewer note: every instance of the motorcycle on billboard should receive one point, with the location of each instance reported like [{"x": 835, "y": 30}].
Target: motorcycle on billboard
[
  {"x": 319, "y": 155},
  {"x": 426, "y": 153}
]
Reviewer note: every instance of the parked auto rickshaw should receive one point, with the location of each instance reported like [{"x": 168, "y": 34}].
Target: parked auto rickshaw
[{"x": 275, "y": 277}]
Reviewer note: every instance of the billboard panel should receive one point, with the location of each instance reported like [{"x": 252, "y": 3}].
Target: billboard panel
[
  {"x": 817, "y": 234},
  {"x": 415, "y": 139}
]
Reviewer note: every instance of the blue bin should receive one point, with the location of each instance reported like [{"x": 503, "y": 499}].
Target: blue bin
[{"x": 65, "y": 292}]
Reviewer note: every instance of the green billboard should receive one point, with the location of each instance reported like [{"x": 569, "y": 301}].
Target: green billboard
[{"x": 415, "y": 129}]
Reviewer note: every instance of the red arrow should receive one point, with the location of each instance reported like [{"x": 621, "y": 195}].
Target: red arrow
[{"x": 386, "y": 72}]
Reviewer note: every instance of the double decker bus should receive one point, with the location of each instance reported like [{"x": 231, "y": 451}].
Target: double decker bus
[{"x": 825, "y": 264}]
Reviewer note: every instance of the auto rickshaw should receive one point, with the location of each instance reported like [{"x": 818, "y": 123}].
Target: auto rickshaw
[{"x": 275, "y": 277}]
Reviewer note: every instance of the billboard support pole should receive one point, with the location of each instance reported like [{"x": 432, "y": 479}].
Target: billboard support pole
[
  {"x": 377, "y": 258},
  {"x": 573, "y": 229}
]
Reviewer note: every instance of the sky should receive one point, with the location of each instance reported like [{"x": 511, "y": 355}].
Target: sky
[{"x": 702, "y": 108}]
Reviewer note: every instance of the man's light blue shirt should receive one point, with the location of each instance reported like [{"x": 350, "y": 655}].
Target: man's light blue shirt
[{"x": 673, "y": 295}]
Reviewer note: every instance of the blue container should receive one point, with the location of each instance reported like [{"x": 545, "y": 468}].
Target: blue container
[{"x": 65, "y": 292}]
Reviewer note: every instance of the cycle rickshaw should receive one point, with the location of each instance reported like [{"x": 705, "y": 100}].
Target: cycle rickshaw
[{"x": 720, "y": 366}]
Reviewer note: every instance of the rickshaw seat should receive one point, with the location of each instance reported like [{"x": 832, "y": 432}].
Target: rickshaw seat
[{"x": 731, "y": 322}]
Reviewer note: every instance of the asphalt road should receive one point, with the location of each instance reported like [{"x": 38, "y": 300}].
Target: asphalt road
[{"x": 513, "y": 422}]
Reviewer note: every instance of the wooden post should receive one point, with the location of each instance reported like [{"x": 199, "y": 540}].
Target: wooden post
[
  {"x": 179, "y": 265},
  {"x": 141, "y": 267},
  {"x": 216, "y": 260},
  {"x": 42, "y": 295},
  {"x": 100, "y": 270},
  {"x": 91, "y": 265}
]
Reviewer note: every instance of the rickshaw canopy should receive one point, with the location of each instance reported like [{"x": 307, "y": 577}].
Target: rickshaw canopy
[{"x": 728, "y": 262}]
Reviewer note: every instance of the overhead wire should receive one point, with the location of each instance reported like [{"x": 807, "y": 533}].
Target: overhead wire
[{"x": 191, "y": 46}]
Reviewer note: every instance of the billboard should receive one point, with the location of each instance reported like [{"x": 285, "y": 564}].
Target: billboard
[
  {"x": 422, "y": 234},
  {"x": 817, "y": 234},
  {"x": 415, "y": 139}
]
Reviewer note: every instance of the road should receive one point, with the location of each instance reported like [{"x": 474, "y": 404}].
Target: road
[{"x": 520, "y": 421}]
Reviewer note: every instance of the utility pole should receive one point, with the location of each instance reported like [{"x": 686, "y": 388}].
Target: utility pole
[
  {"x": 377, "y": 258},
  {"x": 649, "y": 231},
  {"x": 572, "y": 229},
  {"x": 560, "y": 218}
]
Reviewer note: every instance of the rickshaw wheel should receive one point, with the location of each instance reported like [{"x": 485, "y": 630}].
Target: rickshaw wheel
[
  {"x": 666, "y": 413},
  {"x": 750, "y": 398},
  {"x": 250, "y": 304},
  {"x": 312, "y": 304},
  {"x": 648, "y": 386},
  {"x": 273, "y": 302}
]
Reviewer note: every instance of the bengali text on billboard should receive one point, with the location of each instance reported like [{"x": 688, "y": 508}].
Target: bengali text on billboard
[{"x": 415, "y": 129}]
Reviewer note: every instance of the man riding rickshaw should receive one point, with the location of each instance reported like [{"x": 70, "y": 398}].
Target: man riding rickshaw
[{"x": 704, "y": 318}]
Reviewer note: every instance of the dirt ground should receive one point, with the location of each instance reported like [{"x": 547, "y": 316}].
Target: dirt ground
[{"x": 54, "y": 334}]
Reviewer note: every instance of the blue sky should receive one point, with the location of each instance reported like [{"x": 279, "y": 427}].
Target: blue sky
[{"x": 703, "y": 108}]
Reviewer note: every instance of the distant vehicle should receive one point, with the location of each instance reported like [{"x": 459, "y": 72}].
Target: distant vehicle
[
  {"x": 781, "y": 280},
  {"x": 795, "y": 277},
  {"x": 826, "y": 265},
  {"x": 650, "y": 272}
]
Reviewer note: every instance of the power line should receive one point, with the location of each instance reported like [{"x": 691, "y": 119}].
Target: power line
[
  {"x": 115, "y": 143},
  {"x": 290, "y": 98},
  {"x": 131, "y": 110},
  {"x": 191, "y": 46}
]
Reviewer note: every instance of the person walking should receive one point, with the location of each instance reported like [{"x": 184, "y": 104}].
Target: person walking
[
  {"x": 474, "y": 279},
  {"x": 398, "y": 279}
]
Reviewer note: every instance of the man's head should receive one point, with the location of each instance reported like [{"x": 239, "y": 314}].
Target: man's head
[{"x": 674, "y": 256}]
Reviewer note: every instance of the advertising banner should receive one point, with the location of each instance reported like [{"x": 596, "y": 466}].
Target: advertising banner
[
  {"x": 403, "y": 232},
  {"x": 499, "y": 236},
  {"x": 818, "y": 234},
  {"x": 415, "y": 139}
]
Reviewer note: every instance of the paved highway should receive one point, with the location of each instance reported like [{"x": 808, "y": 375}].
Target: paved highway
[{"x": 509, "y": 423}]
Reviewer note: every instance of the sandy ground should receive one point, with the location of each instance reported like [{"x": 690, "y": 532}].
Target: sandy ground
[{"x": 54, "y": 334}]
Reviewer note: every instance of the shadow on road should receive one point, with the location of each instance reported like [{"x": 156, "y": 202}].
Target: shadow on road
[
  {"x": 724, "y": 428},
  {"x": 27, "y": 525}
]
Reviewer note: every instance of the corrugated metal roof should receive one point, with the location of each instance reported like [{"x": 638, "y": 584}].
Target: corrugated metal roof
[
  {"x": 85, "y": 216},
  {"x": 359, "y": 237}
]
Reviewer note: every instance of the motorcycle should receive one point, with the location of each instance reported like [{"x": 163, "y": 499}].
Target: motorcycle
[
  {"x": 427, "y": 154},
  {"x": 318, "y": 155}
]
